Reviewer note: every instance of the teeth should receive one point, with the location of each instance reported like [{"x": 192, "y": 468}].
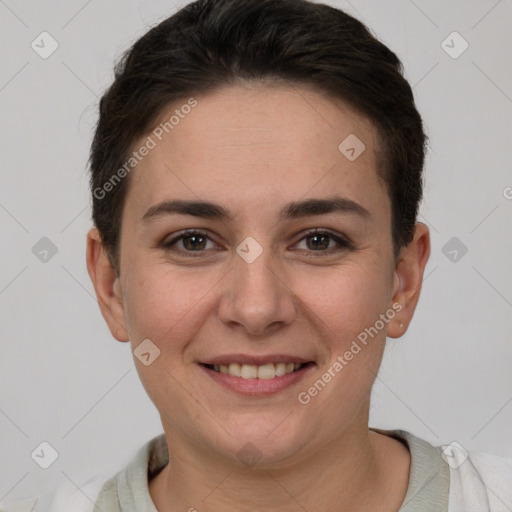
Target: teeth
[
  {"x": 251, "y": 371},
  {"x": 266, "y": 371},
  {"x": 234, "y": 369},
  {"x": 280, "y": 369}
]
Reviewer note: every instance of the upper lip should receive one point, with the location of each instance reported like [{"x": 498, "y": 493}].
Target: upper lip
[{"x": 257, "y": 360}]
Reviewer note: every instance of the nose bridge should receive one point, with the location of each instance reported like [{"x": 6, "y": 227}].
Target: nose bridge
[
  {"x": 254, "y": 269},
  {"x": 257, "y": 296}
]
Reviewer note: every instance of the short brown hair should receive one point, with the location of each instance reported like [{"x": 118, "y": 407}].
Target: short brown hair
[{"x": 209, "y": 44}]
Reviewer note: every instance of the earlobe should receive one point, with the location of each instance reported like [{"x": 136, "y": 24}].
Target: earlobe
[
  {"x": 408, "y": 279},
  {"x": 106, "y": 285}
]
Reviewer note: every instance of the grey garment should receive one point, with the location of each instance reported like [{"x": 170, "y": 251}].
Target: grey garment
[
  {"x": 429, "y": 477},
  {"x": 128, "y": 490}
]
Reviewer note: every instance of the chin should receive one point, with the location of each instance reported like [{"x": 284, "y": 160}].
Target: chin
[{"x": 263, "y": 442}]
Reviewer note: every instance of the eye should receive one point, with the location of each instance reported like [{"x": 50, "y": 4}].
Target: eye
[
  {"x": 317, "y": 240},
  {"x": 190, "y": 241},
  {"x": 322, "y": 241}
]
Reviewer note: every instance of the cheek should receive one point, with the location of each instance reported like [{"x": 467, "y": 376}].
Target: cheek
[
  {"x": 345, "y": 299},
  {"x": 166, "y": 305},
  {"x": 345, "y": 307}
]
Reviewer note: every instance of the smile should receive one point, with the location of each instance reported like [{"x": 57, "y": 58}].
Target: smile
[
  {"x": 252, "y": 371},
  {"x": 261, "y": 379}
]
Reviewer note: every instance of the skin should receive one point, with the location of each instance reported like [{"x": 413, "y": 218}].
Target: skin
[{"x": 253, "y": 149}]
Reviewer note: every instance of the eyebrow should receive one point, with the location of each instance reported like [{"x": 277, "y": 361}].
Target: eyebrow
[{"x": 293, "y": 210}]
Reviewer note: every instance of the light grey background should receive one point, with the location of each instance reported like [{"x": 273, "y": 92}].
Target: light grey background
[{"x": 66, "y": 381}]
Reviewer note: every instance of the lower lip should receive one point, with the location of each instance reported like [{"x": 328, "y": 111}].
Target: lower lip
[{"x": 258, "y": 387}]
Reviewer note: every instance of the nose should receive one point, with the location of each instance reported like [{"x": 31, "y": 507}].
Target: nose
[{"x": 256, "y": 296}]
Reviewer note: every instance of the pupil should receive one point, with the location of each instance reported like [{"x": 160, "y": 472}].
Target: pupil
[
  {"x": 325, "y": 240},
  {"x": 194, "y": 245}
]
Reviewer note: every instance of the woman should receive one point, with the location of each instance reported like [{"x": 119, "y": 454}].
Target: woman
[{"x": 256, "y": 173}]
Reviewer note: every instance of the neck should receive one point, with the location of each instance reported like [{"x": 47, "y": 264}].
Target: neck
[{"x": 349, "y": 473}]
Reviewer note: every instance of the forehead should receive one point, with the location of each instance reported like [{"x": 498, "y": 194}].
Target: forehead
[{"x": 241, "y": 145}]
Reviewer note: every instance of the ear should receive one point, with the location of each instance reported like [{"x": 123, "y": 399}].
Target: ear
[
  {"x": 107, "y": 286},
  {"x": 408, "y": 279}
]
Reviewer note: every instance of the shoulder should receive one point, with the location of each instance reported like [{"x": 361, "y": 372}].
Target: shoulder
[
  {"x": 478, "y": 479},
  {"x": 102, "y": 491},
  {"x": 66, "y": 497}
]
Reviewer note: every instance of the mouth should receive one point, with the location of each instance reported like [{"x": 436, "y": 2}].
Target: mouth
[
  {"x": 251, "y": 371},
  {"x": 257, "y": 377}
]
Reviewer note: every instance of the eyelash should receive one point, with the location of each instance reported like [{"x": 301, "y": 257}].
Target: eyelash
[{"x": 343, "y": 243}]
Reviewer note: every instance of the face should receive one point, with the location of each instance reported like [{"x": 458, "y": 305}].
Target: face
[{"x": 258, "y": 299}]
